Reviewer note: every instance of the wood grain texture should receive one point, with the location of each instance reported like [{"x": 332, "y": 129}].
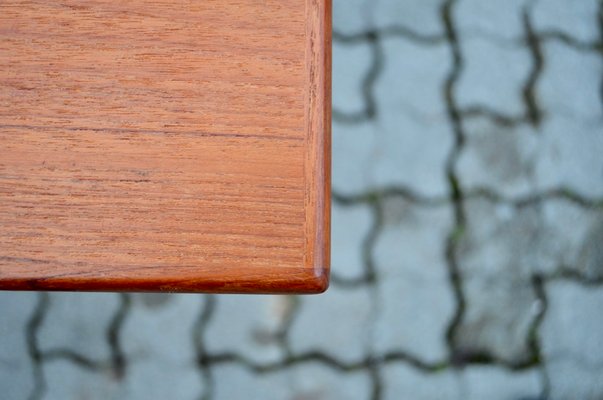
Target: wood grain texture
[{"x": 165, "y": 145}]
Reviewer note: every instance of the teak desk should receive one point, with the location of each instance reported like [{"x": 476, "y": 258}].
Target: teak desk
[{"x": 170, "y": 145}]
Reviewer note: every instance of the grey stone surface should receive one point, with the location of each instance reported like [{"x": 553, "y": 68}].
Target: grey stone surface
[
  {"x": 495, "y": 383},
  {"x": 572, "y": 340},
  {"x": 159, "y": 352},
  {"x": 568, "y": 85},
  {"x": 422, "y": 18},
  {"x": 16, "y": 373},
  {"x": 316, "y": 382},
  {"x": 503, "y": 248},
  {"x": 350, "y": 16},
  {"x": 497, "y": 19},
  {"x": 408, "y": 140},
  {"x": 80, "y": 331},
  {"x": 415, "y": 298},
  {"x": 159, "y": 345},
  {"x": 571, "y": 239},
  {"x": 522, "y": 240},
  {"x": 347, "y": 339},
  {"x": 306, "y": 382},
  {"x": 272, "y": 386},
  {"x": 351, "y": 64},
  {"x": 568, "y": 148},
  {"x": 522, "y": 159},
  {"x": 357, "y": 16},
  {"x": 575, "y": 18},
  {"x": 65, "y": 380},
  {"x": 499, "y": 158},
  {"x": 401, "y": 381},
  {"x": 501, "y": 335},
  {"x": 350, "y": 229},
  {"x": 410, "y": 87},
  {"x": 494, "y": 82},
  {"x": 354, "y": 151},
  {"x": 572, "y": 134},
  {"x": 467, "y": 236},
  {"x": 519, "y": 161},
  {"x": 249, "y": 326}
]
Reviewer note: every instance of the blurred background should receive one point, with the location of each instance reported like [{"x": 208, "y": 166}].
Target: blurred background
[{"x": 467, "y": 235}]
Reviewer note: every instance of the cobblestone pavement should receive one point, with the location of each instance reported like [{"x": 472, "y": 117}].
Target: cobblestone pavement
[{"x": 467, "y": 235}]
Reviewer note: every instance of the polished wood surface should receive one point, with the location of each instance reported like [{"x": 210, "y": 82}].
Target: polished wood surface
[{"x": 165, "y": 145}]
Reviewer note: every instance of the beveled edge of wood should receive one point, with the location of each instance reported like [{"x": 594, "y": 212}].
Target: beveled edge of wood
[
  {"x": 312, "y": 277},
  {"x": 171, "y": 279},
  {"x": 317, "y": 251}
]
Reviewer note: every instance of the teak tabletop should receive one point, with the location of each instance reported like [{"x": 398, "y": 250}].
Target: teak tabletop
[{"x": 168, "y": 145}]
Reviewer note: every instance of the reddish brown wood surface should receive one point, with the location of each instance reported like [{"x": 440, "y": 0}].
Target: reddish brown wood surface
[{"x": 165, "y": 145}]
